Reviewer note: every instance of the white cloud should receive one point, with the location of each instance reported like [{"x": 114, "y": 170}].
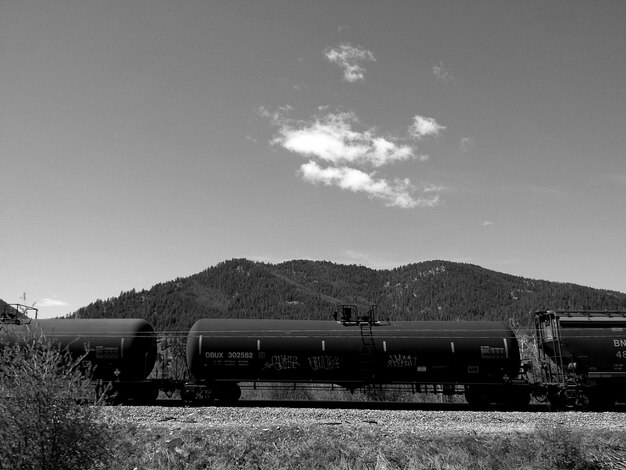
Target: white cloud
[
  {"x": 278, "y": 117},
  {"x": 343, "y": 154},
  {"x": 487, "y": 223},
  {"x": 350, "y": 58},
  {"x": 431, "y": 188},
  {"x": 441, "y": 72},
  {"x": 397, "y": 193},
  {"x": 50, "y": 303},
  {"x": 466, "y": 144},
  {"x": 372, "y": 260},
  {"x": 424, "y": 127},
  {"x": 332, "y": 138}
]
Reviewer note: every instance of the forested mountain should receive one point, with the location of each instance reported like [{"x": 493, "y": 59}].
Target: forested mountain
[{"x": 301, "y": 289}]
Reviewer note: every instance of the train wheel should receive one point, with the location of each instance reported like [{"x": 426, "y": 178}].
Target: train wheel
[
  {"x": 478, "y": 398},
  {"x": 541, "y": 395},
  {"x": 186, "y": 396},
  {"x": 144, "y": 395},
  {"x": 228, "y": 393},
  {"x": 601, "y": 399},
  {"x": 518, "y": 399},
  {"x": 197, "y": 395},
  {"x": 560, "y": 400}
]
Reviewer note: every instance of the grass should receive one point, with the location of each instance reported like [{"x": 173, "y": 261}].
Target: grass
[{"x": 348, "y": 448}]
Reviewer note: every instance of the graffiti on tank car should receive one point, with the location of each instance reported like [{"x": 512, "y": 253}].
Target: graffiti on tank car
[
  {"x": 401, "y": 360},
  {"x": 489, "y": 352},
  {"x": 324, "y": 362},
  {"x": 283, "y": 363}
]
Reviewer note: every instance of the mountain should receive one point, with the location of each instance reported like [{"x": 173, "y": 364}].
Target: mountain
[{"x": 432, "y": 290}]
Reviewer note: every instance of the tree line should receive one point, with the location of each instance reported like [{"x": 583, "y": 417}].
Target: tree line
[{"x": 302, "y": 289}]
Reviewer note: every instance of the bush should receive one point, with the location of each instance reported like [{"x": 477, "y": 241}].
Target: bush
[{"x": 43, "y": 426}]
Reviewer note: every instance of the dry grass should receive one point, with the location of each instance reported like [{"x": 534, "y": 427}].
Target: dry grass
[{"x": 343, "y": 447}]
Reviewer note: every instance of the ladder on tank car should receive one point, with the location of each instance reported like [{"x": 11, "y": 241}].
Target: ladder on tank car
[
  {"x": 368, "y": 352},
  {"x": 350, "y": 317}
]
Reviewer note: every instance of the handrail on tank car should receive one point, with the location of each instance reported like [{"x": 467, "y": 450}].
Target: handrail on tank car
[
  {"x": 348, "y": 314},
  {"x": 591, "y": 313},
  {"x": 17, "y": 314}
]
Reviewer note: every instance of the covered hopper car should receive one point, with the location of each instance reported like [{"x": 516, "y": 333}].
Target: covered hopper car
[{"x": 584, "y": 357}]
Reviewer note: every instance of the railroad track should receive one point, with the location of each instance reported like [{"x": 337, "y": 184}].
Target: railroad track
[{"x": 347, "y": 405}]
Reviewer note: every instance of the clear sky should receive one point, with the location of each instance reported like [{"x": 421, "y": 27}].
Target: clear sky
[{"x": 143, "y": 140}]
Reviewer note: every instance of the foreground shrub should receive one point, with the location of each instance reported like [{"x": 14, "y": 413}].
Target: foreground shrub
[{"x": 43, "y": 426}]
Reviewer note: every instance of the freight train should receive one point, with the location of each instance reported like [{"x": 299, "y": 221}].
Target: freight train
[{"x": 577, "y": 360}]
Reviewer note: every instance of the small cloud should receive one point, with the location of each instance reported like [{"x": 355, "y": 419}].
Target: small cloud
[
  {"x": 332, "y": 138},
  {"x": 277, "y": 117},
  {"x": 487, "y": 223},
  {"x": 431, "y": 188},
  {"x": 350, "y": 59},
  {"x": 370, "y": 260},
  {"x": 50, "y": 303},
  {"x": 424, "y": 127},
  {"x": 466, "y": 144},
  {"x": 440, "y": 71},
  {"x": 397, "y": 193}
]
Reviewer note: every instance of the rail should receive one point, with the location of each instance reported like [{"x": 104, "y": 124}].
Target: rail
[{"x": 349, "y": 315}]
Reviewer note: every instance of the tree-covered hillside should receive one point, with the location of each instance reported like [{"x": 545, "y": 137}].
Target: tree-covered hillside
[{"x": 301, "y": 289}]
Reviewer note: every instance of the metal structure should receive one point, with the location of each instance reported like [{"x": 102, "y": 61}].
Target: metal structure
[{"x": 17, "y": 314}]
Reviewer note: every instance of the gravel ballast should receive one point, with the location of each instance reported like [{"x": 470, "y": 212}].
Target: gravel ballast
[{"x": 413, "y": 422}]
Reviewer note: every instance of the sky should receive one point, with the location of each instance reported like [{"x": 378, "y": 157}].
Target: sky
[{"x": 145, "y": 140}]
